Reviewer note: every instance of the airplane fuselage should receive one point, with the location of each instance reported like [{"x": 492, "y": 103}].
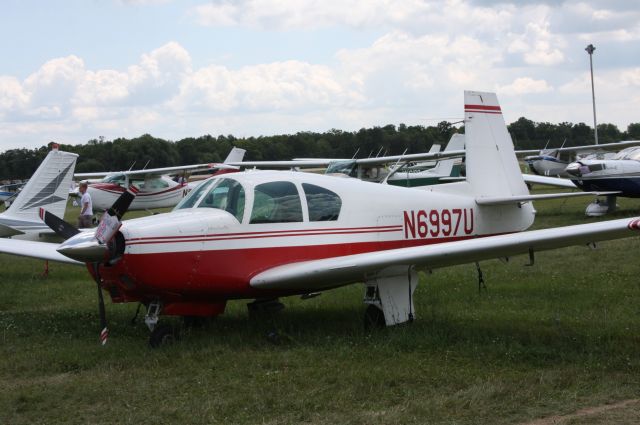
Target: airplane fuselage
[
  {"x": 194, "y": 256},
  {"x": 164, "y": 193}
]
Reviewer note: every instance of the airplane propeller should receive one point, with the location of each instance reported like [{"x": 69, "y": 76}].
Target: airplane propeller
[{"x": 93, "y": 247}]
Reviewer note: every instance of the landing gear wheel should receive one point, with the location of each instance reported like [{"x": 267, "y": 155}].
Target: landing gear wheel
[
  {"x": 373, "y": 318},
  {"x": 163, "y": 335},
  {"x": 192, "y": 322}
]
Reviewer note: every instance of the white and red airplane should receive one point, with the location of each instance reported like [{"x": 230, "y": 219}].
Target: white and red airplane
[
  {"x": 267, "y": 234},
  {"x": 156, "y": 188}
]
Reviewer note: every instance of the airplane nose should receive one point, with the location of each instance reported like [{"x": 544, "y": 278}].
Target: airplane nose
[{"x": 84, "y": 247}]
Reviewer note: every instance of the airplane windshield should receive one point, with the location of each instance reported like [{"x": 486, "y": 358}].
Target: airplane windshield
[
  {"x": 347, "y": 168},
  {"x": 194, "y": 196},
  {"x": 118, "y": 179},
  {"x": 629, "y": 153},
  {"x": 226, "y": 195}
]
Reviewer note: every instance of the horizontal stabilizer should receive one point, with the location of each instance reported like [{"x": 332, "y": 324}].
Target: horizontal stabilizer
[
  {"x": 7, "y": 231},
  {"x": 502, "y": 200},
  {"x": 41, "y": 250},
  {"x": 548, "y": 181}
]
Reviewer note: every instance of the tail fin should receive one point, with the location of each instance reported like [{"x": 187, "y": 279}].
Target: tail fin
[
  {"x": 492, "y": 167},
  {"x": 435, "y": 148},
  {"x": 236, "y": 155},
  {"x": 48, "y": 188}
]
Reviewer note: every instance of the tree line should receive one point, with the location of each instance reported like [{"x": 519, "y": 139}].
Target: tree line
[{"x": 152, "y": 152}]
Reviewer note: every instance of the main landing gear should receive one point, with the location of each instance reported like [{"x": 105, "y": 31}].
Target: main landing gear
[
  {"x": 389, "y": 295},
  {"x": 599, "y": 208}
]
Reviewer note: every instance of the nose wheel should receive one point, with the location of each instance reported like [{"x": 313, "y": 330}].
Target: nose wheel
[{"x": 163, "y": 335}]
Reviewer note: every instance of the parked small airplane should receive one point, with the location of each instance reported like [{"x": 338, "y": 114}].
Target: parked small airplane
[
  {"x": 423, "y": 174},
  {"x": 48, "y": 189},
  {"x": 266, "y": 234},
  {"x": 156, "y": 188},
  {"x": 552, "y": 162},
  {"x": 619, "y": 174}
]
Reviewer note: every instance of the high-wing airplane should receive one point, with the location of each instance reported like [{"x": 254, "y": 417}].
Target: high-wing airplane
[
  {"x": 47, "y": 188},
  {"x": 156, "y": 188},
  {"x": 425, "y": 174},
  {"x": 552, "y": 162},
  {"x": 267, "y": 234}
]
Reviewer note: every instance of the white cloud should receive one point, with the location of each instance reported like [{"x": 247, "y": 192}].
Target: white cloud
[{"x": 525, "y": 85}]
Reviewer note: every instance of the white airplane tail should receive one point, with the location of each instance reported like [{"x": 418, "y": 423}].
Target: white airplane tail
[
  {"x": 48, "y": 188},
  {"x": 236, "y": 155},
  {"x": 491, "y": 164}
]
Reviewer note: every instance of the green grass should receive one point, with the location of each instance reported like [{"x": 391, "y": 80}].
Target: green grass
[{"x": 542, "y": 340}]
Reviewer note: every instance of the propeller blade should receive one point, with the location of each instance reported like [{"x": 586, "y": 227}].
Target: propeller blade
[
  {"x": 122, "y": 204},
  {"x": 58, "y": 225},
  {"x": 110, "y": 222},
  {"x": 91, "y": 247},
  {"x": 104, "y": 333}
]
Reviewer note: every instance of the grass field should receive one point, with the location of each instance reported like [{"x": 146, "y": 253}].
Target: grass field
[{"x": 550, "y": 339}]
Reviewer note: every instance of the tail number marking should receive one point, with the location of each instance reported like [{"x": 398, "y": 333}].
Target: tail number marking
[{"x": 438, "y": 223}]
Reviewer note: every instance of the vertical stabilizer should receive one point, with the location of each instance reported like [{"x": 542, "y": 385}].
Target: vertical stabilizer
[
  {"x": 48, "y": 188},
  {"x": 236, "y": 155},
  {"x": 491, "y": 164}
]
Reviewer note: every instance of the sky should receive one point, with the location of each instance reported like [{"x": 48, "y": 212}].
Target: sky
[{"x": 72, "y": 71}]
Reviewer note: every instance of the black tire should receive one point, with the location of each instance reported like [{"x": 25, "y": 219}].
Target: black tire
[
  {"x": 195, "y": 322},
  {"x": 163, "y": 335},
  {"x": 373, "y": 318}
]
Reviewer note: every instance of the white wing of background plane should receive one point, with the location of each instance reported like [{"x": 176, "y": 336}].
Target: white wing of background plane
[
  {"x": 332, "y": 272},
  {"x": 323, "y": 162},
  {"x": 235, "y": 155},
  {"x": 609, "y": 146}
]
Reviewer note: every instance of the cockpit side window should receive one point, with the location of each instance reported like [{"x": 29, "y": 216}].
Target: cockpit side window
[
  {"x": 324, "y": 205},
  {"x": 276, "y": 202},
  {"x": 228, "y": 195},
  {"x": 190, "y": 200}
]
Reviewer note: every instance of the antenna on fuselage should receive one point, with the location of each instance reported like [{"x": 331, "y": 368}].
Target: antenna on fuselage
[{"x": 131, "y": 168}]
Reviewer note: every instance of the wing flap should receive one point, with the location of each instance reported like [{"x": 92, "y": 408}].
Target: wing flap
[{"x": 337, "y": 271}]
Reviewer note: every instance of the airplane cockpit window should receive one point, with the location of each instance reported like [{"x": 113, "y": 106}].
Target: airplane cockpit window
[
  {"x": 156, "y": 183},
  {"x": 632, "y": 153},
  {"x": 276, "y": 202},
  {"x": 118, "y": 179},
  {"x": 324, "y": 205},
  {"x": 194, "y": 196},
  {"x": 227, "y": 195},
  {"x": 348, "y": 168}
]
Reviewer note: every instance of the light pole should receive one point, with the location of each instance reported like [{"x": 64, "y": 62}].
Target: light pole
[{"x": 590, "y": 49}]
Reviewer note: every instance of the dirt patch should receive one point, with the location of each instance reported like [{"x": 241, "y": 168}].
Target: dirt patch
[{"x": 589, "y": 413}]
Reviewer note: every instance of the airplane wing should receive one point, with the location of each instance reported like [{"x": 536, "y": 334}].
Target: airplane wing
[
  {"x": 610, "y": 146},
  {"x": 323, "y": 162},
  {"x": 549, "y": 181},
  {"x": 539, "y": 197},
  {"x": 332, "y": 272},
  {"x": 41, "y": 250},
  {"x": 159, "y": 171},
  {"x": 235, "y": 155}
]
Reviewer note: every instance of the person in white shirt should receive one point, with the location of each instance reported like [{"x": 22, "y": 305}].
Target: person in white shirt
[{"x": 85, "y": 219}]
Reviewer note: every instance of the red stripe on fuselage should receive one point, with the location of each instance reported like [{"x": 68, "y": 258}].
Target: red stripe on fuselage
[{"x": 276, "y": 233}]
